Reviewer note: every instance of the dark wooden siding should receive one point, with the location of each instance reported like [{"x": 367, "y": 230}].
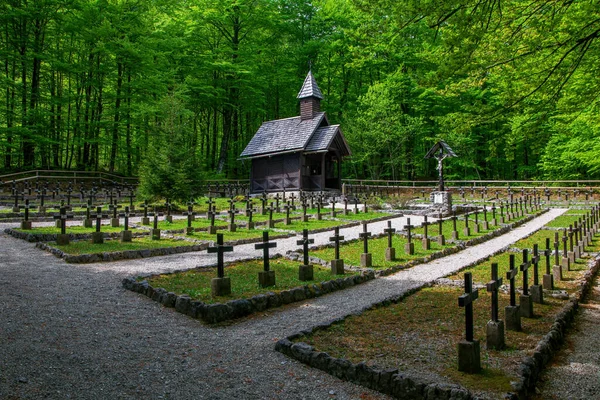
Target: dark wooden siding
[{"x": 276, "y": 173}]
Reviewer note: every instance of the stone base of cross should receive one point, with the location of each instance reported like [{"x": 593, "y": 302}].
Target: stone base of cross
[
  {"x": 41, "y": 209},
  {"x": 526, "y": 305},
  {"x": 212, "y": 230},
  {"x": 25, "y": 225},
  {"x": 409, "y": 248},
  {"x": 114, "y": 222},
  {"x": 337, "y": 267},
  {"x": 366, "y": 260},
  {"x": 63, "y": 239},
  {"x": 155, "y": 233},
  {"x": 126, "y": 236},
  {"x": 390, "y": 254},
  {"x": 512, "y": 318},
  {"x": 97, "y": 237},
  {"x": 494, "y": 335},
  {"x": 306, "y": 272},
  {"x": 266, "y": 278},
  {"x": 426, "y": 242},
  {"x": 189, "y": 230},
  {"x": 220, "y": 286},
  {"x": 88, "y": 223}
]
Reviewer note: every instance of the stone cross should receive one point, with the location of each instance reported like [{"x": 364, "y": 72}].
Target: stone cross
[
  {"x": 265, "y": 246},
  {"x": 466, "y": 300},
  {"x": 492, "y": 287},
  {"x": 305, "y": 241},
  {"x": 220, "y": 249}
]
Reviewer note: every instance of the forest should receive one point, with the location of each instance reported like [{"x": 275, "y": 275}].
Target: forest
[{"x": 177, "y": 88}]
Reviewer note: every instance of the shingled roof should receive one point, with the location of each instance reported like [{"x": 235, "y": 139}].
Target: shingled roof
[
  {"x": 283, "y": 136},
  {"x": 323, "y": 138},
  {"x": 310, "y": 88}
]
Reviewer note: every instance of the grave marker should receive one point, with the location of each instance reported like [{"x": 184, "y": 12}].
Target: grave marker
[
  {"x": 26, "y": 223},
  {"x": 98, "y": 237},
  {"x": 512, "y": 312},
  {"x": 454, "y": 230},
  {"x": 191, "y": 216},
  {"x": 212, "y": 229},
  {"x": 337, "y": 264},
  {"x": 271, "y": 223},
  {"x": 467, "y": 230},
  {"x": 390, "y": 251},
  {"x": 548, "y": 278},
  {"x": 168, "y": 217},
  {"x": 155, "y": 232},
  {"x": 440, "y": 239},
  {"x": 266, "y": 277},
  {"x": 566, "y": 263},
  {"x": 287, "y": 207},
  {"x": 409, "y": 247},
  {"x": 476, "y": 227},
  {"x": 486, "y": 225},
  {"x": 495, "y": 327},
  {"x": 62, "y": 217},
  {"x": 221, "y": 285},
  {"x": 537, "y": 292},
  {"x": 571, "y": 253},
  {"x": 305, "y": 271},
  {"x": 232, "y": 227},
  {"x": 525, "y": 300},
  {"x": 126, "y": 234},
  {"x": 366, "y": 258},
  {"x": 468, "y": 350},
  {"x": 333, "y": 207},
  {"x": 114, "y": 221},
  {"x": 304, "y": 206}
]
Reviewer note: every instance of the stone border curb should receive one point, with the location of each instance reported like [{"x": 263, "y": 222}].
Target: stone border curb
[{"x": 233, "y": 309}]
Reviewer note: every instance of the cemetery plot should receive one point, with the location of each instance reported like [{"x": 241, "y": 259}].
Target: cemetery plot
[
  {"x": 351, "y": 252},
  {"x": 563, "y": 221},
  {"x": 418, "y": 337},
  {"x": 311, "y": 225},
  {"x": 238, "y": 235},
  {"x": 73, "y": 229},
  {"x": 181, "y": 224},
  {"x": 85, "y": 251}
]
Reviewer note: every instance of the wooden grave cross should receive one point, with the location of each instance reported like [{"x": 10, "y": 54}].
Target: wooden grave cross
[
  {"x": 365, "y": 237},
  {"x": 26, "y": 208},
  {"x": 511, "y": 275},
  {"x": 547, "y": 254},
  {"x": 155, "y": 215},
  {"x": 424, "y": 225},
  {"x": 220, "y": 249},
  {"x": 287, "y": 207},
  {"x": 114, "y": 208},
  {"x": 333, "y": 201},
  {"x": 408, "y": 227},
  {"x": 492, "y": 287},
  {"x": 98, "y": 217},
  {"x": 265, "y": 246},
  {"x": 390, "y": 233},
  {"x": 126, "y": 215},
  {"x": 231, "y": 202},
  {"x": 305, "y": 241},
  {"x": 571, "y": 238},
  {"x": 277, "y": 198},
  {"x": 292, "y": 198},
  {"x": 466, "y": 300},
  {"x": 63, "y": 217},
  {"x": 535, "y": 261},
  {"x": 210, "y": 203},
  {"x": 336, "y": 238},
  {"x": 524, "y": 267}
]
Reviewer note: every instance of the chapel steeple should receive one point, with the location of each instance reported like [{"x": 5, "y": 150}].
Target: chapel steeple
[{"x": 310, "y": 97}]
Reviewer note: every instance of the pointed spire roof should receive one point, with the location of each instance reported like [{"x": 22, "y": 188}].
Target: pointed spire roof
[{"x": 310, "y": 88}]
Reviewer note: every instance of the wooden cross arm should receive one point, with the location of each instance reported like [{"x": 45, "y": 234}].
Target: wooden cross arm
[
  {"x": 390, "y": 230},
  {"x": 364, "y": 234},
  {"x": 220, "y": 248},
  {"x": 525, "y": 266},
  {"x": 336, "y": 238},
  {"x": 493, "y": 285},
  {"x": 307, "y": 241},
  {"x": 468, "y": 298},
  {"x": 260, "y": 246}
]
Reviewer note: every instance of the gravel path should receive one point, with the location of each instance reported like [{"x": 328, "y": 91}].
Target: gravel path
[
  {"x": 71, "y": 331},
  {"x": 575, "y": 373}
]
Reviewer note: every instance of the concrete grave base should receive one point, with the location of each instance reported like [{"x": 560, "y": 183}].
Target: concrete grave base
[
  {"x": 426, "y": 243},
  {"x": 512, "y": 318},
  {"x": 390, "y": 254},
  {"x": 346, "y": 212},
  {"x": 145, "y": 221},
  {"x": 155, "y": 233},
  {"x": 97, "y": 237},
  {"x": 337, "y": 267},
  {"x": 250, "y": 225},
  {"x": 62, "y": 240},
  {"x": 220, "y": 286},
  {"x": 476, "y": 228},
  {"x": 305, "y": 273},
  {"x": 16, "y": 209},
  {"x": 467, "y": 231},
  {"x": 271, "y": 224},
  {"x": 366, "y": 260},
  {"x": 441, "y": 240},
  {"x": 409, "y": 248},
  {"x": 41, "y": 209},
  {"x": 87, "y": 223},
  {"x": 566, "y": 264},
  {"x": 212, "y": 230},
  {"x": 25, "y": 224},
  {"x": 169, "y": 218},
  {"x": 287, "y": 221},
  {"x": 114, "y": 222},
  {"x": 126, "y": 236},
  {"x": 454, "y": 235},
  {"x": 189, "y": 230},
  {"x": 502, "y": 220},
  {"x": 571, "y": 256},
  {"x": 537, "y": 294},
  {"x": 495, "y": 222},
  {"x": 494, "y": 334},
  {"x": 57, "y": 224},
  {"x": 486, "y": 225},
  {"x": 266, "y": 278},
  {"x": 305, "y": 218},
  {"x": 318, "y": 216},
  {"x": 231, "y": 227},
  {"x": 469, "y": 357},
  {"x": 548, "y": 282},
  {"x": 526, "y": 304}
]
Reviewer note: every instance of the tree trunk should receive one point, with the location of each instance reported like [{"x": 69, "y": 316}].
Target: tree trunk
[{"x": 115, "y": 131}]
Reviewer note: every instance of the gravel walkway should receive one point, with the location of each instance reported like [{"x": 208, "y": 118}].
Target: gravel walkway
[
  {"x": 575, "y": 373},
  {"x": 71, "y": 331}
]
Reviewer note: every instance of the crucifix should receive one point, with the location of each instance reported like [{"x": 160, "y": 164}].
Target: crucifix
[
  {"x": 266, "y": 277},
  {"x": 220, "y": 286},
  {"x": 440, "y": 151},
  {"x": 337, "y": 264},
  {"x": 305, "y": 271},
  {"x": 366, "y": 259}
]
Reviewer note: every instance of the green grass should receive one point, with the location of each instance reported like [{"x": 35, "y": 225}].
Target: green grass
[
  {"x": 312, "y": 224},
  {"x": 563, "y": 221},
  {"x": 244, "y": 280},
  {"x": 87, "y": 247},
  {"x": 361, "y": 216},
  {"x": 179, "y": 224},
  {"x": 239, "y": 234},
  {"x": 351, "y": 252},
  {"x": 51, "y": 230},
  {"x": 447, "y": 226}
]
